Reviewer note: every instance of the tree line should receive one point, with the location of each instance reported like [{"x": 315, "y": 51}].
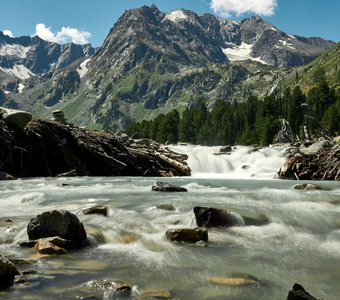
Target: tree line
[{"x": 255, "y": 121}]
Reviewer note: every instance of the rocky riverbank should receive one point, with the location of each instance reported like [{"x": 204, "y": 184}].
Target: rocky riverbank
[
  {"x": 317, "y": 161},
  {"x": 36, "y": 148}
]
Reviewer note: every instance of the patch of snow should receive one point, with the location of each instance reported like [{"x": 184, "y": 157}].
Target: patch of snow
[
  {"x": 285, "y": 44},
  {"x": 19, "y": 71},
  {"x": 176, "y": 15},
  {"x": 14, "y": 50},
  {"x": 292, "y": 36},
  {"x": 21, "y": 87},
  {"x": 241, "y": 52},
  {"x": 82, "y": 70},
  {"x": 7, "y": 92},
  {"x": 273, "y": 28}
]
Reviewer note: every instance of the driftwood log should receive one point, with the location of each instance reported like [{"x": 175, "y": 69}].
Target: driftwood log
[
  {"x": 324, "y": 164},
  {"x": 49, "y": 148}
]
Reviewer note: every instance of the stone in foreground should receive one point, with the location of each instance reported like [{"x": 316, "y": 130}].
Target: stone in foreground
[
  {"x": 299, "y": 293},
  {"x": 57, "y": 223},
  {"x": 7, "y": 272},
  {"x": 187, "y": 235},
  {"x": 96, "y": 210},
  {"x": 212, "y": 217},
  {"x": 167, "y": 187}
]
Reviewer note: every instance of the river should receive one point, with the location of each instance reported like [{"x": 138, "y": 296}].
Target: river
[{"x": 300, "y": 244}]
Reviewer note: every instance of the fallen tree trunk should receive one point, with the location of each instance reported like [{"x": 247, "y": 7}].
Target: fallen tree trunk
[
  {"x": 320, "y": 161},
  {"x": 48, "y": 148}
]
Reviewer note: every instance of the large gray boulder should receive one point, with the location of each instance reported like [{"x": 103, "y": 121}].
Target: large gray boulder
[
  {"x": 7, "y": 272},
  {"x": 57, "y": 223},
  {"x": 19, "y": 118}
]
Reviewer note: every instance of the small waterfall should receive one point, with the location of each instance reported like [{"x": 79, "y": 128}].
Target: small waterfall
[{"x": 241, "y": 162}]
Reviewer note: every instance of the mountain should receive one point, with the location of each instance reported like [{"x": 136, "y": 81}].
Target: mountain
[
  {"x": 324, "y": 67},
  {"x": 152, "y": 62},
  {"x": 24, "y": 57}
]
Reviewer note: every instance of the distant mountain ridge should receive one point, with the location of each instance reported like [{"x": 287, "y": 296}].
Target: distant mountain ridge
[
  {"x": 24, "y": 57},
  {"x": 152, "y": 62}
]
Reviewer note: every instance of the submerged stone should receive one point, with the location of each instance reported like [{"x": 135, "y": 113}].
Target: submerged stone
[
  {"x": 187, "y": 235},
  {"x": 167, "y": 187},
  {"x": 156, "y": 294},
  {"x": 45, "y": 247},
  {"x": 97, "y": 209},
  {"x": 232, "y": 281}
]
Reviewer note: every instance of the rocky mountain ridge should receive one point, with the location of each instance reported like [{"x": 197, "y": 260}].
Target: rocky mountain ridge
[
  {"x": 24, "y": 57},
  {"x": 152, "y": 62}
]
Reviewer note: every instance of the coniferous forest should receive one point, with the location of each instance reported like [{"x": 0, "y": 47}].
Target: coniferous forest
[{"x": 255, "y": 121}]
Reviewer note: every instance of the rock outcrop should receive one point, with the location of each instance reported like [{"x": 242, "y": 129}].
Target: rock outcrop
[
  {"x": 320, "y": 161},
  {"x": 46, "y": 148}
]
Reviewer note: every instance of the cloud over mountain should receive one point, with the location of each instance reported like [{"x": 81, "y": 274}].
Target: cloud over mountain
[
  {"x": 227, "y": 7},
  {"x": 65, "y": 35}
]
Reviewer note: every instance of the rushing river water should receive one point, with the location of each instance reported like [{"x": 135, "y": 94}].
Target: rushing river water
[{"x": 300, "y": 244}]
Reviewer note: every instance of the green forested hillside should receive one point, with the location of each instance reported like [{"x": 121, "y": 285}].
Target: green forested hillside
[
  {"x": 325, "y": 67},
  {"x": 255, "y": 121}
]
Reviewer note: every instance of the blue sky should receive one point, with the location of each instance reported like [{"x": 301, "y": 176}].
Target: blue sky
[{"x": 90, "y": 20}]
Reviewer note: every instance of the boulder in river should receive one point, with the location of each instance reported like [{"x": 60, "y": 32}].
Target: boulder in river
[
  {"x": 45, "y": 247},
  {"x": 159, "y": 186},
  {"x": 187, "y": 235},
  {"x": 212, "y": 217},
  {"x": 113, "y": 286},
  {"x": 7, "y": 272},
  {"x": 57, "y": 223},
  {"x": 299, "y": 293},
  {"x": 97, "y": 209}
]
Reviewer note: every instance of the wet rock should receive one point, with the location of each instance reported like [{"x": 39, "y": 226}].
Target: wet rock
[
  {"x": 57, "y": 223},
  {"x": 299, "y": 293},
  {"x": 128, "y": 239},
  {"x": 307, "y": 187},
  {"x": 6, "y": 176},
  {"x": 113, "y": 286},
  {"x": 212, "y": 217},
  {"x": 224, "y": 150},
  {"x": 95, "y": 236},
  {"x": 97, "y": 209},
  {"x": 233, "y": 281},
  {"x": 169, "y": 207},
  {"x": 15, "y": 117},
  {"x": 7, "y": 272},
  {"x": 167, "y": 187},
  {"x": 187, "y": 235},
  {"x": 156, "y": 294},
  {"x": 256, "y": 220},
  {"x": 45, "y": 247}
]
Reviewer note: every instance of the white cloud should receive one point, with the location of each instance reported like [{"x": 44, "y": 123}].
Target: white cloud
[
  {"x": 238, "y": 7},
  {"x": 65, "y": 35},
  {"x": 8, "y": 32}
]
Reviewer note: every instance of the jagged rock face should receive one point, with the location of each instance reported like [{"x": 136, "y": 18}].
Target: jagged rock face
[
  {"x": 153, "y": 62},
  {"x": 26, "y": 56},
  {"x": 147, "y": 35}
]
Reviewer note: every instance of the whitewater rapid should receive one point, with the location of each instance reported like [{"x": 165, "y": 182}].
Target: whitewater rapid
[{"x": 241, "y": 163}]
